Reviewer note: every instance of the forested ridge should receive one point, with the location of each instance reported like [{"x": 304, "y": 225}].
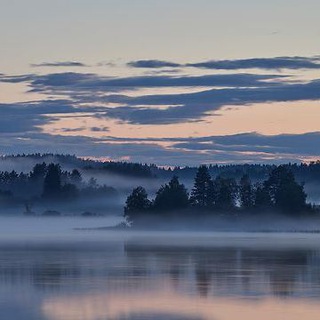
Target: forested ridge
[
  {"x": 55, "y": 178},
  {"x": 304, "y": 172}
]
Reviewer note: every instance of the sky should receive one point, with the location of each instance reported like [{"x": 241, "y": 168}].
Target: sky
[{"x": 167, "y": 82}]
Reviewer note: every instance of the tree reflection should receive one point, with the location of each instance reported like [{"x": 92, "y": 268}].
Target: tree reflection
[
  {"x": 244, "y": 272},
  {"x": 204, "y": 271}
]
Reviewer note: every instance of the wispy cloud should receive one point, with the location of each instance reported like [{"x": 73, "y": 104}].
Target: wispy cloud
[
  {"x": 260, "y": 63},
  {"x": 243, "y": 148},
  {"x": 16, "y": 118},
  {"x": 186, "y": 107},
  {"x": 220, "y": 90},
  {"x": 158, "y": 99},
  {"x": 152, "y": 64},
  {"x": 82, "y": 81},
  {"x": 59, "y": 64},
  {"x": 275, "y": 63},
  {"x": 307, "y": 144}
]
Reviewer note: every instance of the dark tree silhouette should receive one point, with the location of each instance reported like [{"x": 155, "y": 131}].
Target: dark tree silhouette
[
  {"x": 226, "y": 193},
  {"x": 75, "y": 177},
  {"x": 38, "y": 172},
  {"x": 137, "y": 203},
  {"x": 52, "y": 182},
  {"x": 285, "y": 193},
  {"x": 93, "y": 183},
  {"x": 5, "y": 198},
  {"x": 69, "y": 191},
  {"x": 171, "y": 196},
  {"x": 202, "y": 192},
  {"x": 262, "y": 200},
  {"x": 246, "y": 193}
]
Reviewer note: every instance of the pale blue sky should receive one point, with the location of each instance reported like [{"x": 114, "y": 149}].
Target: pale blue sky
[{"x": 32, "y": 31}]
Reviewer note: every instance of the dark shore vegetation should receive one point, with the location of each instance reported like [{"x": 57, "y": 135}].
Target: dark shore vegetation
[
  {"x": 280, "y": 194},
  {"x": 53, "y": 181},
  {"x": 50, "y": 186}
]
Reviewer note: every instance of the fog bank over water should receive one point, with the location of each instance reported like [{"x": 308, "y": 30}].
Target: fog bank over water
[
  {"x": 93, "y": 231},
  {"x": 51, "y": 229},
  {"x": 49, "y": 271}
]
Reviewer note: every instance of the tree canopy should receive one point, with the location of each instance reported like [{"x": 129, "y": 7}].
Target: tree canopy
[
  {"x": 280, "y": 193},
  {"x": 171, "y": 196},
  {"x": 136, "y": 204}
]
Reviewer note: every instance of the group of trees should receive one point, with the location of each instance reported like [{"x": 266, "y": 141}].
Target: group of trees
[
  {"x": 129, "y": 169},
  {"x": 279, "y": 193},
  {"x": 49, "y": 183},
  {"x": 43, "y": 180},
  {"x": 306, "y": 172}
]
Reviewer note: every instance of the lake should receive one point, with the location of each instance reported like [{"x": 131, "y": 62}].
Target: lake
[{"x": 50, "y": 271}]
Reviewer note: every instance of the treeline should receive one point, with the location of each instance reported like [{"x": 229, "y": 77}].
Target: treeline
[
  {"x": 88, "y": 165},
  {"x": 135, "y": 170},
  {"x": 279, "y": 193},
  {"x": 49, "y": 183},
  {"x": 304, "y": 172}
]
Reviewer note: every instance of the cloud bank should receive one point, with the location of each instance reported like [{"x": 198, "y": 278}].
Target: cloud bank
[
  {"x": 153, "y": 100},
  {"x": 275, "y": 63},
  {"x": 59, "y": 64}
]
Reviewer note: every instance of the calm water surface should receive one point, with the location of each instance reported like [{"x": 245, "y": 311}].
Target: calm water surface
[{"x": 49, "y": 271}]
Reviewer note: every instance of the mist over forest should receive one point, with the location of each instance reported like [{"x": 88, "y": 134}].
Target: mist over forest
[{"x": 54, "y": 184}]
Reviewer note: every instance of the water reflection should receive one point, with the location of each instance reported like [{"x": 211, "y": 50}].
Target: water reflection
[
  {"x": 137, "y": 280},
  {"x": 231, "y": 271}
]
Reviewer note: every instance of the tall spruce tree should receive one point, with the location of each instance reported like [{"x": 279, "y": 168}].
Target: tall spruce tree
[
  {"x": 52, "y": 182},
  {"x": 246, "y": 193},
  {"x": 226, "y": 193},
  {"x": 285, "y": 193},
  {"x": 75, "y": 177},
  {"x": 171, "y": 196},
  {"x": 38, "y": 172},
  {"x": 262, "y": 199},
  {"x": 137, "y": 203},
  {"x": 202, "y": 192}
]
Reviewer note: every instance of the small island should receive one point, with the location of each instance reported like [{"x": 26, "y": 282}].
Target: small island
[{"x": 221, "y": 201}]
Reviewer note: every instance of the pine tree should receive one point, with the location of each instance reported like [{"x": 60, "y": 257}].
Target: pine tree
[
  {"x": 52, "y": 182},
  {"x": 38, "y": 172},
  {"x": 171, "y": 196},
  {"x": 262, "y": 200},
  {"x": 137, "y": 203},
  {"x": 246, "y": 193},
  {"x": 75, "y": 177},
  {"x": 226, "y": 193},
  {"x": 202, "y": 192},
  {"x": 285, "y": 193}
]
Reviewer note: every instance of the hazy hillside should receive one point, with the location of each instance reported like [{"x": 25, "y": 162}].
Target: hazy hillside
[{"x": 123, "y": 176}]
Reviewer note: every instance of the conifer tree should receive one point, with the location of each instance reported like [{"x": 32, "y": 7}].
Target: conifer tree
[
  {"x": 285, "y": 193},
  {"x": 52, "y": 182},
  {"x": 246, "y": 193},
  {"x": 202, "y": 192},
  {"x": 172, "y": 196},
  {"x": 137, "y": 203},
  {"x": 262, "y": 198},
  {"x": 226, "y": 193}
]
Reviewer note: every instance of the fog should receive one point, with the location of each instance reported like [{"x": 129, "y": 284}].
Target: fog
[
  {"x": 313, "y": 192},
  {"x": 73, "y": 268},
  {"x": 91, "y": 229},
  {"x": 26, "y": 163},
  {"x": 103, "y": 204},
  {"x": 125, "y": 184},
  {"x": 52, "y": 229}
]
